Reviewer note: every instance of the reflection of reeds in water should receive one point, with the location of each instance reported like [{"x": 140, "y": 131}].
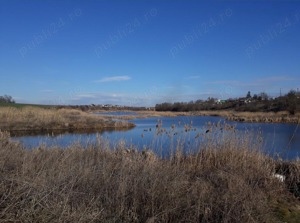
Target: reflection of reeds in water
[{"x": 227, "y": 180}]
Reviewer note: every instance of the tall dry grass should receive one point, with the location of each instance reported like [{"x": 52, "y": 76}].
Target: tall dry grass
[
  {"x": 227, "y": 180},
  {"x": 279, "y": 117},
  {"x": 264, "y": 117},
  {"x": 33, "y": 118}
]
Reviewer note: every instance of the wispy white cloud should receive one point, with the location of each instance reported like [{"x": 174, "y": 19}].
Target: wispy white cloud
[
  {"x": 47, "y": 91},
  {"x": 87, "y": 95},
  {"x": 272, "y": 85},
  {"x": 18, "y": 99},
  {"x": 193, "y": 77},
  {"x": 116, "y": 98},
  {"x": 256, "y": 82},
  {"x": 100, "y": 97},
  {"x": 113, "y": 78},
  {"x": 277, "y": 79},
  {"x": 231, "y": 82}
]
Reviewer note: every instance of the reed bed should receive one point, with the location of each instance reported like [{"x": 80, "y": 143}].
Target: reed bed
[
  {"x": 263, "y": 117},
  {"x": 33, "y": 118},
  {"x": 227, "y": 180}
]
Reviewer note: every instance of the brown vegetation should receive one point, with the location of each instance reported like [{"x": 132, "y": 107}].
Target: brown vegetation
[
  {"x": 263, "y": 117},
  {"x": 39, "y": 119},
  {"x": 228, "y": 180}
]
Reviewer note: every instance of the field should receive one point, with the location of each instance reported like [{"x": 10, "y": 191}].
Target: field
[
  {"x": 227, "y": 180},
  {"x": 20, "y": 105}
]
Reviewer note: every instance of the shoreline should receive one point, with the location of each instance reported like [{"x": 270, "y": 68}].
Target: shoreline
[
  {"x": 251, "y": 117},
  {"x": 51, "y": 121},
  {"x": 55, "y": 132}
]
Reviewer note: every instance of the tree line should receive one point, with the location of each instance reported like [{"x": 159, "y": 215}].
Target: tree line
[
  {"x": 258, "y": 102},
  {"x": 7, "y": 99}
]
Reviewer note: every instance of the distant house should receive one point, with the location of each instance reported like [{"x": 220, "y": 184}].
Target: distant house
[
  {"x": 248, "y": 100},
  {"x": 219, "y": 101}
]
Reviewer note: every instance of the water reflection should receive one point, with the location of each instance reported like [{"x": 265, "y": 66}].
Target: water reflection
[
  {"x": 59, "y": 132},
  {"x": 118, "y": 113}
]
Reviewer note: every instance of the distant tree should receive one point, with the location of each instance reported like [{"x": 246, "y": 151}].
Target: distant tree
[
  {"x": 248, "y": 94},
  {"x": 263, "y": 96},
  {"x": 261, "y": 102},
  {"x": 292, "y": 102},
  {"x": 211, "y": 99},
  {"x": 199, "y": 101},
  {"x": 164, "y": 107},
  {"x": 292, "y": 94},
  {"x": 6, "y": 99}
]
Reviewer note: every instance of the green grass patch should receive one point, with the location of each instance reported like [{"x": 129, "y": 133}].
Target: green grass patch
[{"x": 20, "y": 105}]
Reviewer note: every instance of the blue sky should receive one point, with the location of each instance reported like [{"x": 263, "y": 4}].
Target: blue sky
[{"x": 147, "y": 52}]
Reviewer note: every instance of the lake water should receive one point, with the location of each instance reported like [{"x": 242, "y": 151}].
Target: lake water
[{"x": 277, "y": 138}]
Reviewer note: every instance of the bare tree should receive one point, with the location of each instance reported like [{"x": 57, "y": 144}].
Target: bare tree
[{"x": 6, "y": 99}]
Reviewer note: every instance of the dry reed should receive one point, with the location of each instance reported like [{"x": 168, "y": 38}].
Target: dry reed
[
  {"x": 33, "y": 118},
  {"x": 227, "y": 180},
  {"x": 263, "y": 117}
]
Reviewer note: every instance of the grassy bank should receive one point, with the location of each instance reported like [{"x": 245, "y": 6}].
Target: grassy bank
[
  {"x": 228, "y": 180},
  {"x": 20, "y": 105},
  {"x": 42, "y": 119}
]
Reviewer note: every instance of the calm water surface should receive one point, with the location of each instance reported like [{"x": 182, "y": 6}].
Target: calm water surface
[
  {"x": 277, "y": 138},
  {"x": 117, "y": 113}
]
